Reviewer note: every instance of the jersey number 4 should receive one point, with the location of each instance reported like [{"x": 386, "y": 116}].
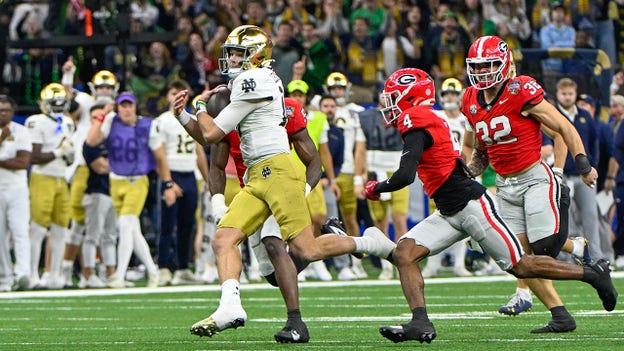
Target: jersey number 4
[{"x": 497, "y": 132}]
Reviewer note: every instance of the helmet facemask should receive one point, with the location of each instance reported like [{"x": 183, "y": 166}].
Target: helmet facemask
[
  {"x": 256, "y": 48},
  {"x": 486, "y": 80}
]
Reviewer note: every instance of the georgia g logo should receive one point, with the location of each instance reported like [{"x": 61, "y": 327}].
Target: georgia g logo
[
  {"x": 406, "y": 79},
  {"x": 502, "y": 47}
]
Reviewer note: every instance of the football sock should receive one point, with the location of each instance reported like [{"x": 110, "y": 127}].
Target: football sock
[
  {"x": 57, "y": 248},
  {"x": 37, "y": 233},
  {"x": 294, "y": 315},
  {"x": 230, "y": 293},
  {"x": 578, "y": 249},
  {"x": 559, "y": 312},
  {"x": 524, "y": 294},
  {"x": 125, "y": 245},
  {"x": 88, "y": 253},
  {"x": 141, "y": 248},
  {"x": 420, "y": 313}
]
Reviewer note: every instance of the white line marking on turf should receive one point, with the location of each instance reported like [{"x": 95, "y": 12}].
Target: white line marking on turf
[{"x": 245, "y": 287}]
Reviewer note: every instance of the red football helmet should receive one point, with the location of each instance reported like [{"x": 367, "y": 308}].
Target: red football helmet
[
  {"x": 492, "y": 51},
  {"x": 405, "y": 88}
]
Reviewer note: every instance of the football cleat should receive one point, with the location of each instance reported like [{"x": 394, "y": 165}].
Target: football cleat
[
  {"x": 561, "y": 325},
  {"x": 293, "y": 332},
  {"x": 419, "y": 330},
  {"x": 515, "y": 306},
  {"x": 220, "y": 321},
  {"x": 335, "y": 226},
  {"x": 585, "y": 259},
  {"x": 603, "y": 284}
]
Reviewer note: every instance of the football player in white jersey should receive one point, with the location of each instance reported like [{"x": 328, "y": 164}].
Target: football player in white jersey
[
  {"x": 104, "y": 87},
  {"x": 275, "y": 181},
  {"x": 51, "y": 133},
  {"x": 353, "y": 173},
  {"x": 15, "y": 152}
]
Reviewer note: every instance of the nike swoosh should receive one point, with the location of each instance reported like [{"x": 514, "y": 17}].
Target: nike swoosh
[
  {"x": 503, "y": 101},
  {"x": 405, "y": 153}
]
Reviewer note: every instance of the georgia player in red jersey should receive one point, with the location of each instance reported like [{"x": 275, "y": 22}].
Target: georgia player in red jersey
[
  {"x": 505, "y": 115},
  {"x": 465, "y": 208}
]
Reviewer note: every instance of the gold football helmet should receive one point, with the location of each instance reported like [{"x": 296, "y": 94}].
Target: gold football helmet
[
  {"x": 451, "y": 85},
  {"x": 104, "y": 78},
  {"x": 255, "y": 45},
  {"x": 54, "y": 99},
  {"x": 337, "y": 79}
]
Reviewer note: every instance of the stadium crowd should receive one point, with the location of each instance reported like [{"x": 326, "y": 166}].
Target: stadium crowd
[{"x": 65, "y": 202}]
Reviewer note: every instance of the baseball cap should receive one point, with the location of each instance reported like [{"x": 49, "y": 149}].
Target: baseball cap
[
  {"x": 588, "y": 99},
  {"x": 297, "y": 85},
  {"x": 126, "y": 97},
  {"x": 555, "y": 4}
]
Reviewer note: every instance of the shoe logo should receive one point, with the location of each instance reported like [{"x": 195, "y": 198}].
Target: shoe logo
[{"x": 295, "y": 335}]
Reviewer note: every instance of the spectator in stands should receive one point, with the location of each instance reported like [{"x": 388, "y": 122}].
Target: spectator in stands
[
  {"x": 446, "y": 50},
  {"x": 317, "y": 58},
  {"x": 256, "y": 14},
  {"x": 197, "y": 65},
  {"x": 512, "y": 12},
  {"x": 415, "y": 29},
  {"x": 557, "y": 34},
  {"x": 395, "y": 49},
  {"x": 145, "y": 12},
  {"x": 361, "y": 62},
  {"x": 154, "y": 68},
  {"x": 471, "y": 17},
  {"x": 294, "y": 10},
  {"x": 372, "y": 11},
  {"x": 286, "y": 51}
]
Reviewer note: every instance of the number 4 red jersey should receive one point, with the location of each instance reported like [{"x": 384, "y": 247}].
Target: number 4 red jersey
[
  {"x": 438, "y": 161},
  {"x": 512, "y": 140}
]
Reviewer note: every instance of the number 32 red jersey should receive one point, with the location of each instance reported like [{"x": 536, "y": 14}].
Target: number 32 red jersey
[
  {"x": 513, "y": 141},
  {"x": 438, "y": 161}
]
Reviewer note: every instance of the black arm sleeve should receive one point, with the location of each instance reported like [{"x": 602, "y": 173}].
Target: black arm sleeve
[{"x": 416, "y": 141}]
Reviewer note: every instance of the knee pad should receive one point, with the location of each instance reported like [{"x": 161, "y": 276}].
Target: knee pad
[{"x": 548, "y": 246}]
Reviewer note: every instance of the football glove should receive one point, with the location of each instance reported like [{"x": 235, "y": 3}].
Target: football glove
[
  {"x": 65, "y": 151},
  {"x": 370, "y": 190},
  {"x": 218, "y": 207}
]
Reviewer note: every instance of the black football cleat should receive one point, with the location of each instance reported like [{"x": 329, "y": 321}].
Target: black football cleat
[
  {"x": 418, "y": 330},
  {"x": 604, "y": 285},
  {"x": 334, "y": 225},
  {"x": 293, "y": 333},
  {"x": 560, "y": 325}
]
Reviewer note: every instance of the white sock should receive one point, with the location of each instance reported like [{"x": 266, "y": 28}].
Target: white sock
[
  {"x": 524, "y": 294},
  {"x": 230, "y": 293},
  {"x": 57, "y": 248},
  {"x": 141, "y": 248},
  {"x": 125, "y": 246},
  {"x": 578, "y": 248},
  {"x": 37, "y": 233},
  {"x": 68, "y": 269},
  {"x": 88, "y": 251}
]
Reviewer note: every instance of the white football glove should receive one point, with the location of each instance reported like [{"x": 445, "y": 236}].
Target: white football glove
[
  {"x": 473, "y": 245},
  {"x": 65, "y": 151},
  {"x": 218, "y": 206}
]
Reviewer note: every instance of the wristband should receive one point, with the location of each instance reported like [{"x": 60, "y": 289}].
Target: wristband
[
  {"x": 183, "y": 117},
  {"x": 358, "y": 181},
  {"x": 308, "y": 189},
  {"x": 582, "y": 164},
  {"x": 100, "y": 118},
  {"x": 611, "y": 177},
  {"x": 168, "y": 184},
  {"x": 57, "y": 153},
  {"x": 333, "y": 181},
  {"x": 201, "y": 106}
]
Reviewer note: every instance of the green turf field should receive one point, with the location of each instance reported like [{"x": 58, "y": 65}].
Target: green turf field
[{"x": 339, "y": 316}]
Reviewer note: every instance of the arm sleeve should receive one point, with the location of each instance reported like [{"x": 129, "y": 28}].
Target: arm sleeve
[
  {"x": 233, "y": 113},
  {"x": 415, "y": 142}
]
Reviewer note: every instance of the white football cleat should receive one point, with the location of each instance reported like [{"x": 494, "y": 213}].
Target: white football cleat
[{"x": 221, "y": 319}]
